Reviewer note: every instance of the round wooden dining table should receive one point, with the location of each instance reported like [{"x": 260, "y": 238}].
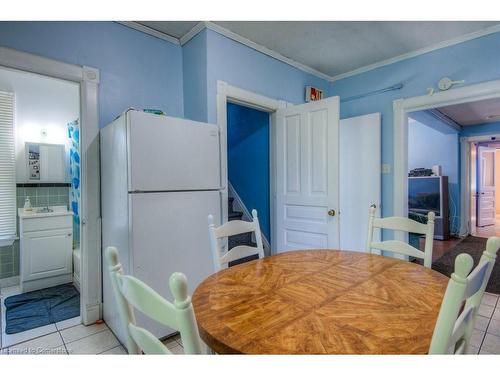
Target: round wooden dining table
[{"x": 320, "y": 302}]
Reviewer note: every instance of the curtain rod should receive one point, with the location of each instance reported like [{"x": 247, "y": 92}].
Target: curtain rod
[{"x": 398, "y": 86}]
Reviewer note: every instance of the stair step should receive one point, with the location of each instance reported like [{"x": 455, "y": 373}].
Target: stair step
[
  {"x": 234, "y": 215},
  {"x": 241, "y": 239},
  {"x": 238, "y": 240},
  {"x": 242, "y": 260}
]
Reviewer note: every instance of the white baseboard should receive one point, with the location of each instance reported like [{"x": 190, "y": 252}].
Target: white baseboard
[
  {"x": 92, "y": 315},
  {"x": 238, "y": 205}
]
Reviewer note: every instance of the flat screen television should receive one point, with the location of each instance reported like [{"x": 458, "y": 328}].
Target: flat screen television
[{"x": 425, "y": 195}]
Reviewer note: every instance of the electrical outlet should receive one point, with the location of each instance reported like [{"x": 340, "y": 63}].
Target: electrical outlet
[{"x": 386, "y": 168}]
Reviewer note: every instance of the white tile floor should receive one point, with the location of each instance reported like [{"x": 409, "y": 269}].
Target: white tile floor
[
  {"x": 66, "y": 337},
  {"x": 486, "y": 336},
  {"x": 9, "y": 340},
  {"x": 79, "y": 339},
  {"x": 71, "y": 337}
]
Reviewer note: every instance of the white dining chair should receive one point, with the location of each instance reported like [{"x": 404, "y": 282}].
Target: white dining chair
[
  {"x": 221, "y": 258},
  {"x": 402, "y": 224},
  {"x": 131, "y": 293},
  {"x": 465, "y": 290}
]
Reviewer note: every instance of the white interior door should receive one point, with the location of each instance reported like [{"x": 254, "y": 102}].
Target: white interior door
[
  {"x": 360, "y": 182},
  {"x": 486, "y": 186},
  {"x": 307, "y": 170}
]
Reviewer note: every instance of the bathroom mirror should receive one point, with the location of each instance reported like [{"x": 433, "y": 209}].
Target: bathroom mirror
[{"x": 45, "y": 162}]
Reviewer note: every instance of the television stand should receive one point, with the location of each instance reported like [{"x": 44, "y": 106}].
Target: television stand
[{"x": 441, "y": 230}]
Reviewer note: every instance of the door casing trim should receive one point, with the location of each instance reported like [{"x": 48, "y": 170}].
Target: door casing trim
[{"x": 88, "y": 79}]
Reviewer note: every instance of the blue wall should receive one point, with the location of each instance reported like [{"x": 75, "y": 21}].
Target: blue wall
[
  {"x": 246, "y": 68},
  {"x": 482, "y": 129},
  {"x": 248, "y": 159},
  {"x": 429, "y": 119},
  {"x": 240, "y": 66},
  {"x": 428, "y": 147},
  {"x": 474, "y": 61},
  {"x": 194, "y": 59},
  {"x": 137, "y": 70},
  {"x": 142, "y": 71}
]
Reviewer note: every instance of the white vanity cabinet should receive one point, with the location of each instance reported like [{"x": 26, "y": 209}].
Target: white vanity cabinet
[{"x": 46, "y": 249}]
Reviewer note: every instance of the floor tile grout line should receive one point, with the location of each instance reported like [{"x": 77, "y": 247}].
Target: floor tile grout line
[
  {"x": 486, "y": 332},
  {"x": 84, "y": 337},
  {"x": 33, "y": 338},
  {"x": 64, "y": 344},
  {"x": 114, "y": 347},
  {"x": 50, "y": 333}
]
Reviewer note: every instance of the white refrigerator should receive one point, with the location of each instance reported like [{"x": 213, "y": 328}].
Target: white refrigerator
[{"x": 160, "y": 179}]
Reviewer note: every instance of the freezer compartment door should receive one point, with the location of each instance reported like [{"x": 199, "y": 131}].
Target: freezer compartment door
[
  {"x": 172, "y": 154},
  {"x": 170, "y": 234}
]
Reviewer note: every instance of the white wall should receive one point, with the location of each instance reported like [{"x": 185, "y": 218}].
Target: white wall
[
  {"x": 428, "y": 147},
  {"x": 41, "y": 103}
]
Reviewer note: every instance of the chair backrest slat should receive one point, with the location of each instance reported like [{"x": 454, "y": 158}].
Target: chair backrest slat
[
  {"x": 460, "y": 327},
  {"x": 401, "y": 224},
  {"x": 397, "y": 247},
  {"x": 148, "y": 343},
  {"x": 476, "y": 279},
  {"x": 239, "y": 252},
  {"x": 147, "y": 301},
  {"x": 131, "y": 292},
  {"x": 220, "y": 257},
  {"x": 453, "y": 329}
]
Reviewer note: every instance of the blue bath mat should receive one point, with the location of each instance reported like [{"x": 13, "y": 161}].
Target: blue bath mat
[{"x": 41, "y": 307}]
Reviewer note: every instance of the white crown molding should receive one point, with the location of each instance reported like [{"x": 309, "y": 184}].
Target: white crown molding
[
  {"x": 200, "y": 26},
  {"x": 247, "y": 42},
  {"x": 192, "y": 33},
  {"x": 409, "y": 55},
  {"x": 147, "y": 30},
  {"x": 266, "y": 51},
  {"x": 229, "y": 34}
]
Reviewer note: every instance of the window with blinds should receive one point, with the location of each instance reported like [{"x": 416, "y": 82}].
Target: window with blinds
[{"x": 7, "y": 170}]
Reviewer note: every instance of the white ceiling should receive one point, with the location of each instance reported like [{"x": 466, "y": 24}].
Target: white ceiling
[
  {"x": 177, "y": 29},
  {"x": 474, "y": 113},
  {"x": 336, "y": 47}
]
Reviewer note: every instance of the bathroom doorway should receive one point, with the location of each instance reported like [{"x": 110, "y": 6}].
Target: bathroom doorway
[{"x": 40, "y": 267}]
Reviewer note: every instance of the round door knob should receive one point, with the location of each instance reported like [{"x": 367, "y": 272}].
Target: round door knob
[{"x": 331, "y": 212}]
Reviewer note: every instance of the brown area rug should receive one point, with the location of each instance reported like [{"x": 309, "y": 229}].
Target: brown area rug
[{"x": 474, "y": 246}]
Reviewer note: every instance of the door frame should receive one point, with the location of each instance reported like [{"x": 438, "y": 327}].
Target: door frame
[
  {"x": 401, "y": 109},
  {"x": 465, "y": 179},
  {"x": 480, "y": 174},
  {"x": 90, "y": 240},
  {"x": 227, "y": 93}
]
